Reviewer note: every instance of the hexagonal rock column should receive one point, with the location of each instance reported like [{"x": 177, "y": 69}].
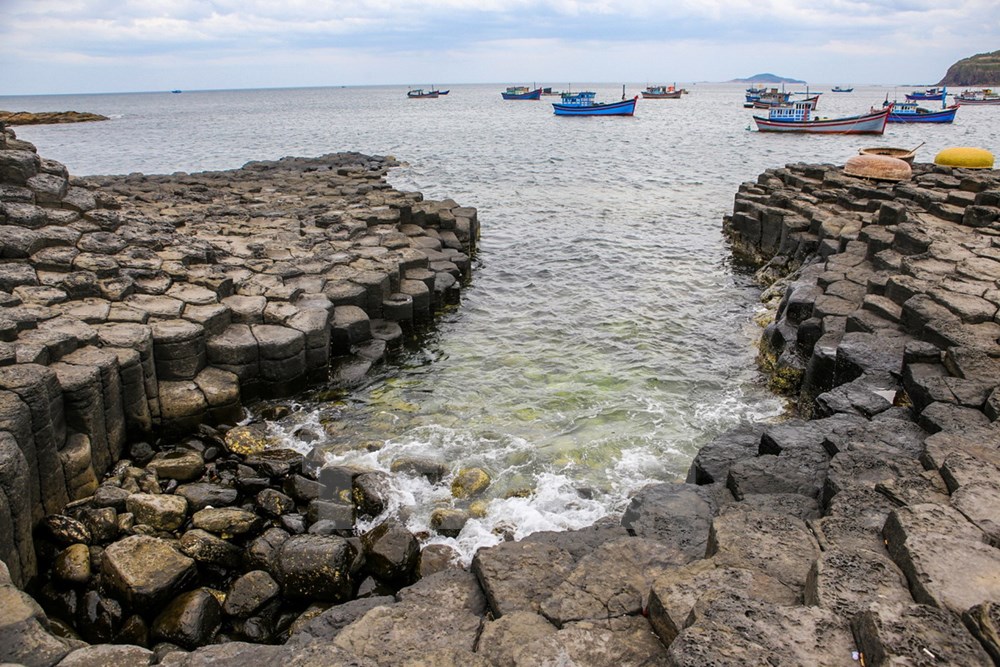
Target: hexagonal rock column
[
  {"x": 235, "y": 350},
  {"x": 39, "y": 390},
  {"x": 178, "y": 349},
  {"x": 111, "y": 387},
  {"x": 136, "y": 337},
  {"x": 282, "y": 357}
]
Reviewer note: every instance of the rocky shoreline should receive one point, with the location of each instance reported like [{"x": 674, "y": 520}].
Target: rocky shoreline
[
  {"x": 47, "y": 117},
  {"x": 864, "y": 530}
]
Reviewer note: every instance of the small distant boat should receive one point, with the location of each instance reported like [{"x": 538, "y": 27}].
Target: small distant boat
[
  {"x": 583, "y": 104},
  {"x": 421, "y": 94},
  {"x": 909, "y": 112},
  {"x": 973, "y": 97},
  {"x": 177, "y": 91},
  {"x": 929, "y": 95},
  {"x": 798, "y": 117},
  {"x": 441, "y": 92},
  {"x": 662, "y": 93},
  {"x": 838, "y": 89},
  {"x": 522, "y": 93}
]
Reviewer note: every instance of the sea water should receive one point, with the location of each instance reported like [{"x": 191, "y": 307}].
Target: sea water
[{"x": 605, "y": 334}]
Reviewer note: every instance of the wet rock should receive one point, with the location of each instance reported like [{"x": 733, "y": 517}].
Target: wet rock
[
  {"x": 182, "y": 465},
  {"x": 432, "y": 470},
  {"x": 64, "y": 530},
  {"x": 315, "y": 567},
  {"x": 448, "y": 522},
  {"x": 469, "y": 483},
  {"x": 24, "y": 635},
  {"x": 370, "y": 492},
  {"x": 249, "y": 439},
  {"x": 391, "y": 553},
  {"x": 161, "y": 511},
  {"x": 99, "y": 617},
  {"x": 227, "y": 521},
  {"x": 249, "y": 593},
  {"x": 145, "y": 570},
  {"x": 261, "y": 550},
  {"x": 190, "y": 620},
  {"x": 274, "y": 503},
  {"x": 73, "y": 564},
  {"x": 205, "y": 547},
  {"x": 202, "y": 495}
]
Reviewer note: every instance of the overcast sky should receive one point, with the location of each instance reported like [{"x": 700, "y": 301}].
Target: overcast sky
[{"x": 90, "y": 46}]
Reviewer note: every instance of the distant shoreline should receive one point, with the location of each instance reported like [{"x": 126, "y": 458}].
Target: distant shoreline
[{"x": 48, "y": 117}]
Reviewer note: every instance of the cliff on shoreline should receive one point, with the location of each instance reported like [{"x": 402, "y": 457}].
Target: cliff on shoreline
[
  {"x": 866, "y": 527},
  {"x": 982, "y": 69}
]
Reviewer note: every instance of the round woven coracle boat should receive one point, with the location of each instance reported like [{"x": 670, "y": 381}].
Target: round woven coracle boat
[
  {"x": 905, "y": 154},
  {"x": 965, "y": 157},
  {"x": 878, "y": 167}
]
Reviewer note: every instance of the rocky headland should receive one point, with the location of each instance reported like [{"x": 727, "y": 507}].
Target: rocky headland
[
  {"x": 142, "y": 312},
  {"x": 982, "y": 69},
  {"x": 48, "y": 117}
]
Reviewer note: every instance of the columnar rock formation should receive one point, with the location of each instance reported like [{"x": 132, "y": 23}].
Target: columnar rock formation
[
  {"x": 134, "y": 304},
  {"x": 865, "y": 531}
]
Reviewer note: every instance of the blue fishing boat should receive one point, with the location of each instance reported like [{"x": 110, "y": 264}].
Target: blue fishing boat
[
  {"x": 929, "y": 95},
  {"x": 522, "y": 93},
  {"x": 421, "y": 94},
  {"x": 838, "y": 89},
  {"x": 583, "y": 104},
  {"x": 909, "y": 112}
]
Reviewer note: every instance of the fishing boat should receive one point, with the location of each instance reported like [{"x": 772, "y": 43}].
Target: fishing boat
[
  {"x": 421, "y": 94},
  {"x": 811, "y": 102},
  {"x": 799, "y": 117},
  {"x": 910, "y": 112},
  {"x": 838, "y": 89},
  {"x": 973, "y": 97},
  {"x": 929, "y": 95},
  {"x": 522, "y": 93},
  {"x": 662, "y": 93},
  {"x": 583, "y": 104},
  {"x": 769, "y": 98},
  {"x": 441, "y": 92}
]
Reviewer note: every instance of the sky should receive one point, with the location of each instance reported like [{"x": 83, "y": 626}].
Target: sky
[{"x": 94, "y": 46}]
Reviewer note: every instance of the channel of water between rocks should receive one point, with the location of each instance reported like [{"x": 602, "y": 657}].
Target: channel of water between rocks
[{"x": 865, "y": 528}]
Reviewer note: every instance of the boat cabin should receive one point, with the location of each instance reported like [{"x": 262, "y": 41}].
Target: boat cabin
[
  {"x": 581, "y": 99},
  {"x": 796, "y": 112}
]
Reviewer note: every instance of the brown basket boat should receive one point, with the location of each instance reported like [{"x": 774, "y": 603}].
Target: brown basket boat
[{"x": 904, "y": 154}]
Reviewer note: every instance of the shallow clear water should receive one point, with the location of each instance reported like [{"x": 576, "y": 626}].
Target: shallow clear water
[{"x": 604, "y": 336}]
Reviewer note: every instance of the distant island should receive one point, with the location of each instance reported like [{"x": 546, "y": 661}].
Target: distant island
[
  {"x": 982, "y": 69},
  {"x": 48, "y": 117},
  {"x": 766, "y": 77}
]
